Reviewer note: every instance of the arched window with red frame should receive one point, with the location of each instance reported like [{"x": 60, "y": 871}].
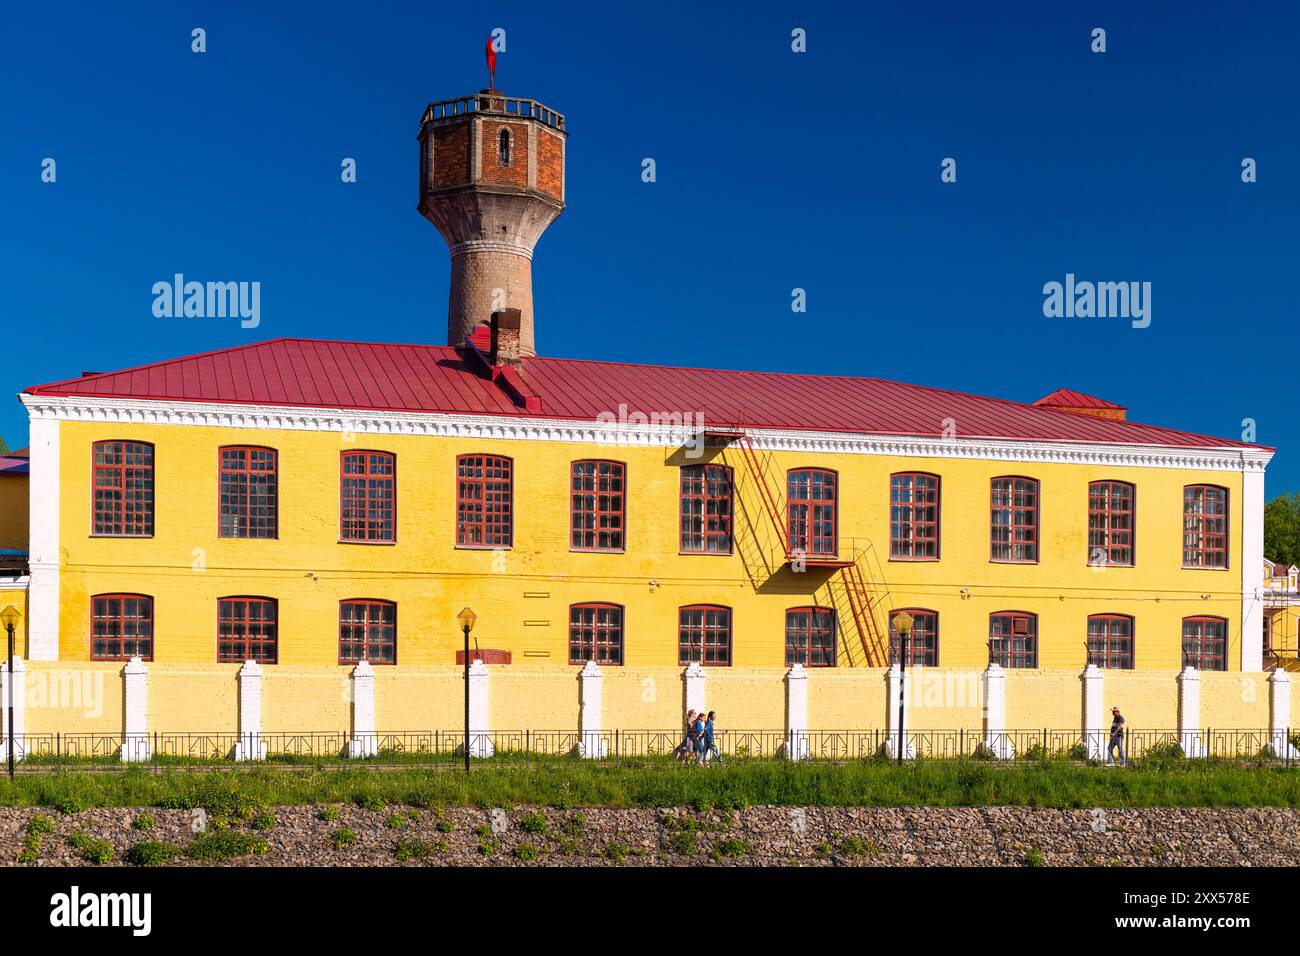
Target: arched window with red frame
[
  {"x": 1013, "y": 531},
  {"x": 811, "y": 520},
  {"x": 122, "y": 489},
  {"x": 1111, "y": 523},
  {"x": 810, "y": 636},
  {"x": 596, "y": 633},
  {"x": 247, "y": 630},
  {"x": 1205, "y": 527},
  {"x": 248, "y": 503},
  {"x": 914, "y": 516},
  {"x": 1110, "y": 641},
  {"x": 484, "y": 501},
  {"x": 121, "y": 627},
  {"x": 598, "y": 505},
  {"x": 1205, "y": 643},
  {"x": 1013, "y": 639},
  {"x": 704, "y": 635},
  {"x": 368, "y": 497},
  {"x": 367, "y": 631},
  {"x": 705, "y": 509},
  {"x": 923, "y": 642}
]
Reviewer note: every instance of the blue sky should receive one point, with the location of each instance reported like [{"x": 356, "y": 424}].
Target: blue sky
[{"x": 775, "y": 171}]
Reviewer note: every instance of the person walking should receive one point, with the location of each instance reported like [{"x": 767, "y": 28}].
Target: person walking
[
  {"x": 686, "y": 748},
  {"x": 699, "y": 738},
  {"x": 710, "y": 742},
  {"x": 1116, "y": 738}
]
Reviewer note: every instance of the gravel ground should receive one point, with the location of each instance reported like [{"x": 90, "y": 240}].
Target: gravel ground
[{"x": 762, "y": 836}]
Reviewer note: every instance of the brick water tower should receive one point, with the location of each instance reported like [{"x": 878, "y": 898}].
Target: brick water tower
[{"x": 491, "y": 180}]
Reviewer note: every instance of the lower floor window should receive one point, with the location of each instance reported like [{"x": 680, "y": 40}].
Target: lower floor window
[
  {"x": 923, "y": 643},
  {"x": 1205, "y": 643},
  {"x": 596, "y": 633},
  {"x": 1013, "y": 639},
  {"x": 704, "y": 635},
  {"x": 368, "y": 632},
  {"x": 1110, "y": 641},
  {"x": 247, "y": 630},
  {"x": 810, "y": 636},
  {"x": 121, "y": 627}
]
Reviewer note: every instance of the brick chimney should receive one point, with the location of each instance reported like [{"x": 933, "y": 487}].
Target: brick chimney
[
  {"x": 505, "y": 337},
  {"x": 491, "y": 181}
]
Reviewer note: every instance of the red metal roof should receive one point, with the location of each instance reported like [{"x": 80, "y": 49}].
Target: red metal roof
[
  {"x": 1067, "y": 398},
  {"x": 429, "y": 378}
]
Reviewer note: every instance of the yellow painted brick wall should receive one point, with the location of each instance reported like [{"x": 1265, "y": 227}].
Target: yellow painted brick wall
[
  {"x": 1147, "y": 699},
  {"x": 15, "y": 595},
  {"x": 73, "y": 697},
  {"x": 945, "y": 698},
  {"x": 534, "y": 698},
  {"x": 847, "y": 699},
  {"x": 643, "y": 698},
  {"x": 296, "y": 699},
  {"x": 1051, "y": 699},
  {"x": 749, "y": 699},
  {"x": 13, "y": 512},
  {"x": 419, "y": 699},
  {"x": 184, "y": 698},
  {"x": 1234, "y": 701}
]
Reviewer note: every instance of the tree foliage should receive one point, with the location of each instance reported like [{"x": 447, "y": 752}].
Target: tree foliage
[{"x": 1282, "y": 529}]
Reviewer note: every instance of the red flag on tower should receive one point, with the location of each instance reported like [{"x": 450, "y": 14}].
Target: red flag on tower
[{"x": 492, "y": 65}]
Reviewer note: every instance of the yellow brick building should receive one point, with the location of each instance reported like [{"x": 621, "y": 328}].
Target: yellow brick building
[{"x": 310, "y": 505}]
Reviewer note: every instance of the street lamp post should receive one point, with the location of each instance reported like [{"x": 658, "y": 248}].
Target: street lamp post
[
  {"x": 903, "y": 627},
  {"x": 10, "y": 618},
  {"x": 467, "y": 619}
]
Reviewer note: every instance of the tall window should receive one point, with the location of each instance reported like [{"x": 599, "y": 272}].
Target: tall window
[
  {"x": 914, "y": 516},
  {"x": 503, "y": 147},
  {"x": 1014, "y": 525},
  {"x": 811, "y": 498},
  {"x": 704, "y": 635},
  {"x": 121, "y": 627},
  {"x": 595, "y": 633},
  {"x": 1110, "y": 641},
  {"x": 368, "y": 496},
  {"x": 1205, "y": 527},
  {"x": 1013, "y": 639},
  {"x": 1110, "y": 523},
  {"x": 706, "y": 509},
  {"x": 1205, "y": 643},
  {"x": 484, "y": 500},
  {"x": 598, "y": 502},
  {"x": 923, "y": 642},
  {"x": 123, "y": 488},
  {"x": 246, "y": 630},
  {"x": 367, "y": 632},
  {"x": 248, "y": 502},
  {"x": 810, "y": 636}
]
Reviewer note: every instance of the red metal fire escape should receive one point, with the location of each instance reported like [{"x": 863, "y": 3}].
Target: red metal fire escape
[{"x": 862, "y": 599}]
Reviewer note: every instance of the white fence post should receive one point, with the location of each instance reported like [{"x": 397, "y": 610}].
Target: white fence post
[
  {"x": 996, "y": 740},
  {"x": 897, "y": 678},
  {"x": 135, "y": 712},
  {"x": 1279, "y": 714},
  {"x": 590, "y": 741},
  {"x": 1094, "y": 733},
  {"x": 1189, "y": 712},
  {"x": 364, "y": 743},
  {"x": 250, "y": 745},
  {"x": 20, "y": 699},
  {"x": 796, "y": 713},
  {"x": 480, "y": 744}
]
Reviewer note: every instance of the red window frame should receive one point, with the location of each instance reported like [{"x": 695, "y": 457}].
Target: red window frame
[
  {"x": 914, "y": 516},
  {"x": 122, "y": 489},
  {"x": 1112, "y": 524},
  {"x": 112, "y": 616},
  {"x": 597, "y": 505},
  {"x": 1205, "y": 531},
  {"x": 367, "y": 631},
  {"x": 923, "y": 642},
  {"x": 484, "y": 501},
  {"x": 596, "y": 633},
  {"x": 812, "y": 517},
  {"x": 1013, "y": 519},
  {"x": 247, "y": 629},
  {"x": 811, "y": 636},
  {"x": 705, "y": 509},
  {"x": 1204, "y": 650},
  {"x": 367, "y": 497},
  {"x": 248, "y": 503},
  {"x": 1111, "y": 642},
  {"x": 1008, "y": 627},
  {"x": 704, "y": 635}
]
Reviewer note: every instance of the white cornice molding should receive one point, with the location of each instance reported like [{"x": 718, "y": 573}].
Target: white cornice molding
[{"x": 133, "y": 411}]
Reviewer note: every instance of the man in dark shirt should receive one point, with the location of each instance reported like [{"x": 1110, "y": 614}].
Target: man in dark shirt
[{"x": 1116, "y": 737}]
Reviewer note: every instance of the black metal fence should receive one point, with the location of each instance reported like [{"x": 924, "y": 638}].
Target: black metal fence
[{"x": 536, "y": 748}]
